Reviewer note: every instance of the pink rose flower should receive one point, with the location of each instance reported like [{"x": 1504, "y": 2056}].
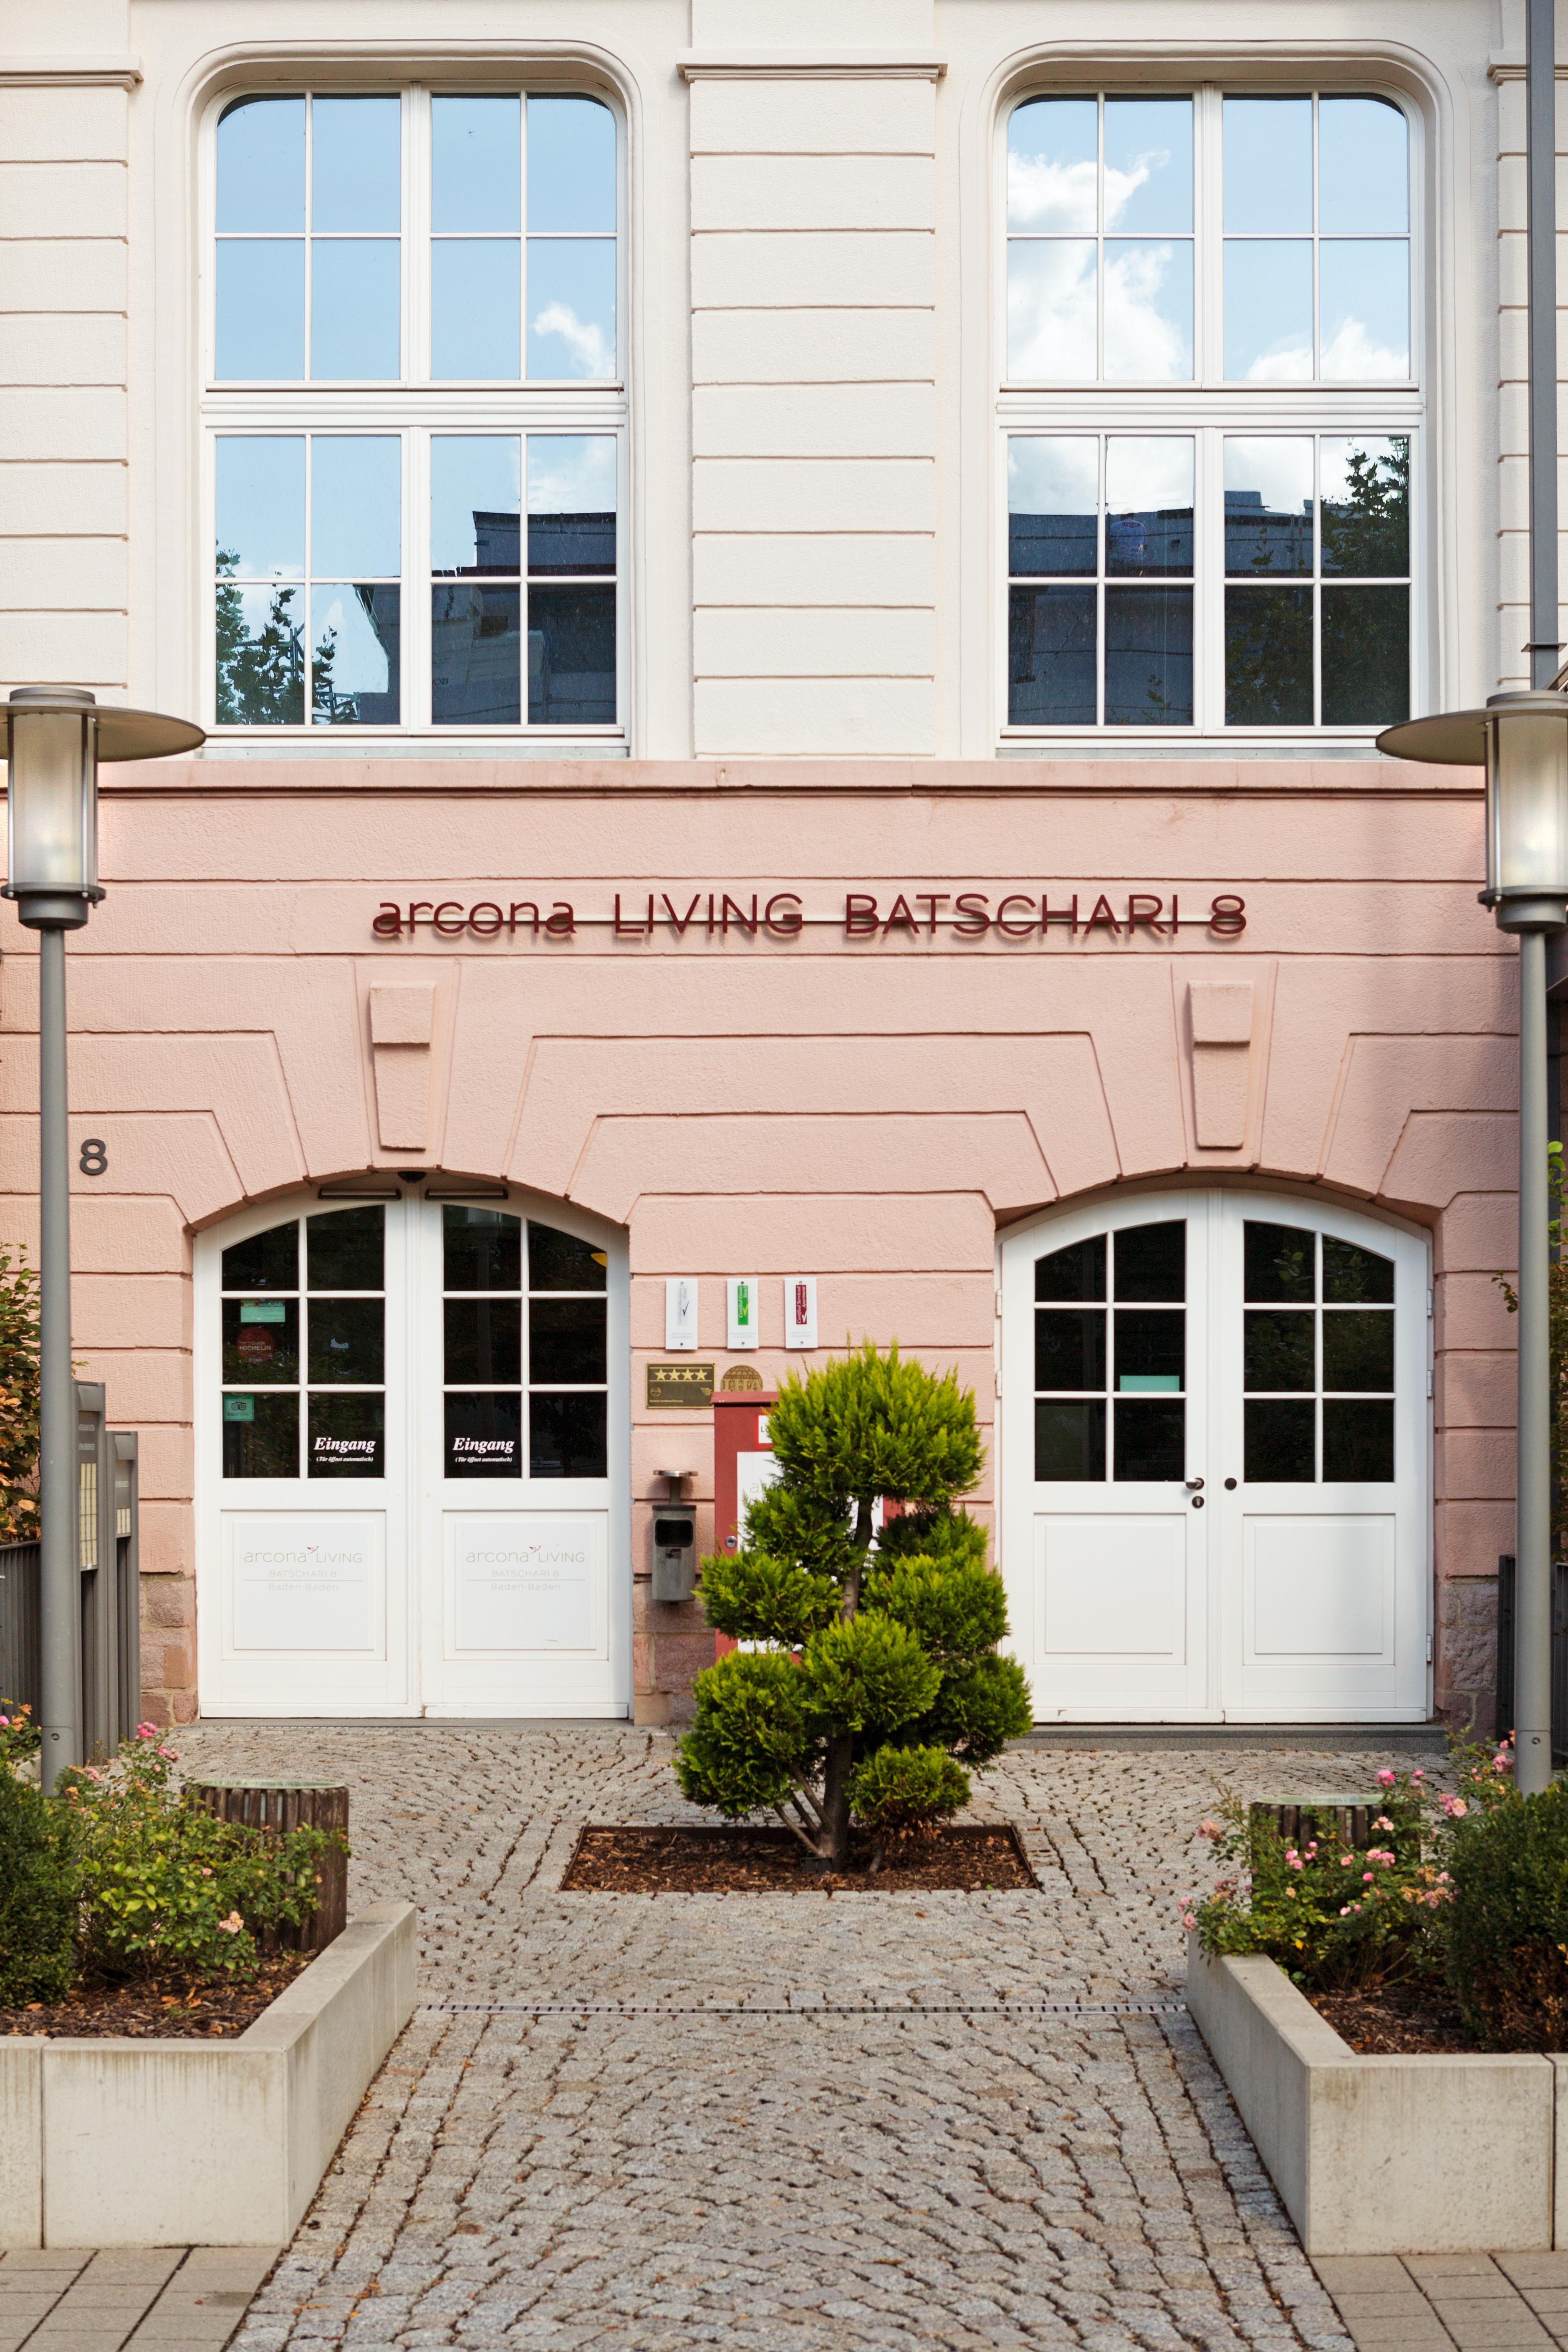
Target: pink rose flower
[
  {"x": 1210, "y": 1830},
  {"x": 232, "y": 1924},
  {"x": 147, "y": 1731},
  {"x": 1385, "y": 1779},
  {"x": 1346, "y": 1860}
]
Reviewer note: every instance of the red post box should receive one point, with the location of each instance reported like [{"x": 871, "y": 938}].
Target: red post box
[{"x": 742, "y": 1465}]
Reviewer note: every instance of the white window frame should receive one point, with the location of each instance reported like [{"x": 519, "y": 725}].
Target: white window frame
[
  {"x": 414, "y": 409},
  {"x": 1209, "y": 408}
]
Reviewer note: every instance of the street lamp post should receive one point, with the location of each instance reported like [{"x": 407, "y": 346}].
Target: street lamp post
[
  {"x": 53, "y": 738},
  {"x": 1522, "y": 741}
]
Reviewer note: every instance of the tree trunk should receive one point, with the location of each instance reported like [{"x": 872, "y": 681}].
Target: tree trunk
[{"x": 833, "y": 1845}]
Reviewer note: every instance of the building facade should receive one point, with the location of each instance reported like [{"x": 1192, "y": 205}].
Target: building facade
[{"x": 791, "y": 612}]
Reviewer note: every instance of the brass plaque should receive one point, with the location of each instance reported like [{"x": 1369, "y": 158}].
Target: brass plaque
[
  {"x": 677, "y": 1384},
  {"x": 741, "y": 1380}
]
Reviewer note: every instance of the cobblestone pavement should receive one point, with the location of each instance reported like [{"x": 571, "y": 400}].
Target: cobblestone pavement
[{"x": 793, "y": 2123}]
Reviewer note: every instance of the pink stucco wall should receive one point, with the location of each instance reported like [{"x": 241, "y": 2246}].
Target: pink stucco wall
[{"x": 870, "y": 1108}]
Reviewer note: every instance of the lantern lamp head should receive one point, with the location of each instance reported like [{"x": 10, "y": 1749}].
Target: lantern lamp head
[
  {"x": 53, "y": 738},
  {"x": 1522, "y": 740}
]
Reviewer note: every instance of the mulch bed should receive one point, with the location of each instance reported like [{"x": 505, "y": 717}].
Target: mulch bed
[
  {"x": 1401, "y": 2020},
  {"x": 163, "y": 2008},
  {"x": 966, "y": 1859}
]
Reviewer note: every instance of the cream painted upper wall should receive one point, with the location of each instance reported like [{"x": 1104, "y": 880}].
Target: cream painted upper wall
[{"x": 899, "y": 221}]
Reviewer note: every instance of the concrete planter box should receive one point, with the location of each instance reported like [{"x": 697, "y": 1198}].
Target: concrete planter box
[
  {"x": 1385, "y": 2156},
  {"x": 123, "y": 2143}
]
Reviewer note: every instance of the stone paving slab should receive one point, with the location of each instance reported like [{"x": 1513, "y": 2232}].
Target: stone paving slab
[{"x": 125, "y": 2298}]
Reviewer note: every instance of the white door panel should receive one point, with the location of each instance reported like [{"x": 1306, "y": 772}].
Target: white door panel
[{"x": 1287, "y": 1575}]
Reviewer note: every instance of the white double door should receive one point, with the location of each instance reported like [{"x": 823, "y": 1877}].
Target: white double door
[
  {"x": 1214, "y": 1460},
  {"x": 412, "y": 1461}
]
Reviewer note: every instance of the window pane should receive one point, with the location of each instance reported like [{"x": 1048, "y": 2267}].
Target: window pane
[
  {"x": 356, "y": 163},
  {"x": 1149, "y": 657},
  {"x": 483, "y": 1338},
  {"x": 567, "y": 1340},
  {"x": 476, "y": 163},
  {"x": 1150, "y": 1439},
  {"x": 571, "y": 502},
  {"x": 354, "y": 295},
  {"x": 1268, "y": 311},
  {"x": 269, "y": 1261},
  {"x": 1364, "y": 295},
  {"x": 566, "y": 1436},
  {"x": 572, "y": 309},
  {"x": 476, "y": 307},
  {"x": 1267, "y": 505},
  {"x": 1069, "y": 1440},
  {"x": 1151, "y": 1347},
  {"x": 260, "y": 499},
  {"x": 558, "y": 1261},
  {"x": 1051, "y": 332},
  {"x": 1366, "y": 657},
  {"x": 346, "y": 1437},
  {"x": 476, "y": 659},
  {"x": 261, "y": 1341},
  {"x": 1151, "y": 1261},
  {"x": 1053, "y": 503},
  {"x": 1364, "y": 166},
  {"x": 1267, "y": 165},
  {"x": 484, "y": 1435},
  {"x": 343, "y": 1249},
  {"x": 347, "y": 1340},
  {"x": 1075, "y": 1272},
  {"x": 570, "y": 164},
  {"x": 1358, "y": 1441},
  {"x": 481, "y": 1249},
  {"x": 261, "y": 164},
  {"x": 1279, "y": 1352},
  {"x": 1148, "y": 506},
  {"x": 261, "y": 1436},
  {"x": 1269, "y": 657},
  {"x": 260, "y": 304},
  {"x": 1052, "y": 160},
  {"x": 1051, "y": 656},
  {"x": 571, "y": 657},
  {"x": 1148, "y": 164},
  {"x": 1148, "y": 313},
  {"x": 1353, "y": 1276},
  {"x": 1279, "y": 1264},
  {"x": 1365, "y": 485},
  {"x": 356, "y": 499},
  {"x": 1358, "y": 1349},
  {"x": 260, "y": 657},
  {"x": 355, "y": 646},
  {"x": 475, "y": 502},
  {"x": 1277, "y": 1443},
  {"x": 1069, "y": 1348}
]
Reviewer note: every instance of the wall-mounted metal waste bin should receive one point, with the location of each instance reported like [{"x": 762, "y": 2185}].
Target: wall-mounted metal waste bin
[{"x": 109, "y": 1628}]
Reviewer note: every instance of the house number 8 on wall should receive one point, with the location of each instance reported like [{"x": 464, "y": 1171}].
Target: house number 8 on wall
[{"x": 94, "y": 1157}]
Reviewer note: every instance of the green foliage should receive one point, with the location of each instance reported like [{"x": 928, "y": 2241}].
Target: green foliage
[
  {"x": 37, "y": 1893},
  {"x": 260, "y": 671},
  {"x": 752, "y": 1596},
  {"x": 19, "y": 1735},
  {"x": 898, "y": 1791},
  {"x": 753, "y": 1743},
  {"x": 879, "y": 1668},
  {"x": 18, "y": 1400},
  {"x": 163, "y": 1885},
  {"x": 869, "y": 1424},
  {"x": 1557, "y": 1321},
  {"x": 866, "y": 1675},
  {"x": 1506, "y": 1924}
]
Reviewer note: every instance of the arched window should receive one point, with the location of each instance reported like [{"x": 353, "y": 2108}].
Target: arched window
[{"x": 412, "y": 1435}]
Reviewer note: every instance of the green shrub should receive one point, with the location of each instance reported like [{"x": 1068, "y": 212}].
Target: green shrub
[
  {"x": 878, "y": 1670},
  {"x": 37, "y": 1893},
  {"x": 1506, "y": 1926},
  {"x": 164, "y": 1885}
]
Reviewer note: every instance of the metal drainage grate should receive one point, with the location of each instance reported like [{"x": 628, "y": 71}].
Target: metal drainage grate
[{"x": 804, "y": 2009}]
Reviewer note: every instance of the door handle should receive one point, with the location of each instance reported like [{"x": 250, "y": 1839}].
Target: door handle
[{"x": 1194, "y": 1486}]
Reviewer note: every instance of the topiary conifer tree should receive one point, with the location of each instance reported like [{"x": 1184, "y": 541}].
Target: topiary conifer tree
[{"x": 878, "y": 1687}]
